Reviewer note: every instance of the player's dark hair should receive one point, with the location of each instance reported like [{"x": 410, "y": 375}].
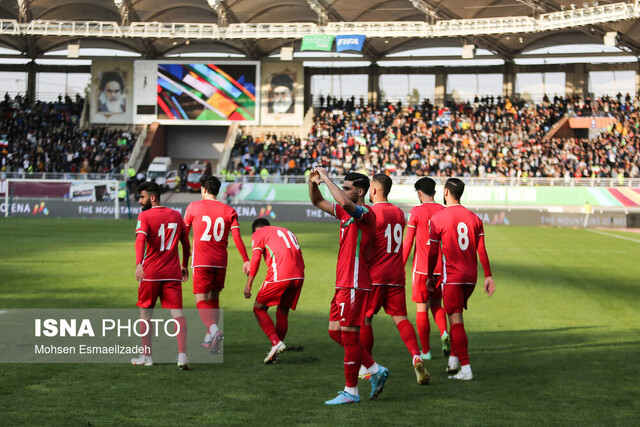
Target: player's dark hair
[
  {"x": 211, "y": 184},
  {"x": 111, "y": 76},
  {"x": 151, "y": 188},
  {"x": 259, "y": 223},
  {"x": 426, "y": 185},
  {"x": 455, "y": 187},
  {"x": 385, "y": 181},
  {"x": 359, "y": 180}
]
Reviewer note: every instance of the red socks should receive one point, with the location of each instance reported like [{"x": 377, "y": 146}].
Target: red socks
[
  {"x": 207, "y": 315},
  {"x": 266, "y": 324},
  {"x": 182, "y": 334},
  {"x": 440, "y": 318},
  {"x": 336, "y": 335},
  {"x": 408, "y": 336},
  {"x": 424, "y": 328},
  {"x": 282, "y": 324},
  {"x": 366, "y": 338},
  {"x": 460, "y": 343},
  {"x": 352, "y": 357}
]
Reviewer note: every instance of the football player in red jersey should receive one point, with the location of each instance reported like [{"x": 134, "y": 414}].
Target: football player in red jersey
[
  {"x": 158, "y": 267},
  {"x": 460, "y": 235},
  {"x": 418, "y": 228},
  {"x": 353, "y": 279},
  {"x": 283, "y": 283},
  {"x": 388, "y": 275},
  {"x": 212, "y": 221}
]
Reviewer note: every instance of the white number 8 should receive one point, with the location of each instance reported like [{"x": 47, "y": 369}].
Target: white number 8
[{"x": 463, "y": 236}]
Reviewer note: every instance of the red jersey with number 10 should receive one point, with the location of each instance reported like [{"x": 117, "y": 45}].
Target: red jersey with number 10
[
  {"x": 164, "y": 228},
  {"x": 457, "y": 230},
  {"x": 356, "y": 240},
  {"x": 212, "y": 221},
  {"x": 385, "y": 263},
  {"x": 419, "y": 218},
  {"x": 281, "y": 252}
]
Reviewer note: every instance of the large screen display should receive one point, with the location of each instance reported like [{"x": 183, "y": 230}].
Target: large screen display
[{"x": 207, "y": 92}]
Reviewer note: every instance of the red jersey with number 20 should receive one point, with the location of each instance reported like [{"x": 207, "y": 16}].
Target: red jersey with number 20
[
  {"x": 385, "y": 263},
  {"x": 281, "y": 252},
  {"x": 419, "y": 218},
  {"x": 356, "y": 240},
  {"x": 457, "y": 230},
  {"x": 211, "y": 221},
  {"x": 164, "y": 228}
]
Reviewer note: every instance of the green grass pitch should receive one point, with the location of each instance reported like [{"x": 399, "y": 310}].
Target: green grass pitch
[{"x": 558, "y": 343}]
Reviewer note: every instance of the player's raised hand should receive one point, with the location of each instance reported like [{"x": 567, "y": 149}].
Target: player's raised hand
[
  {"x": 246, "y": 267},
  {"x": 322, "y": 172},
  {"x": 185, "y": 274},
  {"x": 489, "y": 286},
  {"x": 315, "y": 177},
  {"x": 139, "y": 272}
]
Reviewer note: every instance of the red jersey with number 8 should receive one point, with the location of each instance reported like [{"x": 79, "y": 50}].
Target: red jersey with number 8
[
  {"x": 385, "y": 263},
  {"x": 163, "y": 228},
  {"x": 457, "y": 230},
  {"x": 281, "y": 252},
  {"x": 212, "y": 221}
]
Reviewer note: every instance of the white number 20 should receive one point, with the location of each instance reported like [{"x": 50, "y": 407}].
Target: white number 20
[
  {"x": 397, "y": 237},
  {"x": 218, "y": 229},
  {"x": 463, "y": 236}
]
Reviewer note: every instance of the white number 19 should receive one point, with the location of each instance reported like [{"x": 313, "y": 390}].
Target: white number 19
[{"x": 397, "y": 237}]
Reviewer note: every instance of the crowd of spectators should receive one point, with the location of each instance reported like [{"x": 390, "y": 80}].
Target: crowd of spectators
[
  {"x": 487, "y": 137},
  {"x": 46, "y": 137}
]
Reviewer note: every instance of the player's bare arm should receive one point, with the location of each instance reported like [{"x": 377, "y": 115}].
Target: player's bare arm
[
  {"x": 489, "y": 286},
  {"x": 315, "y": 195},
  {"x": 247, "y": 288},
  {"x": 139, "y": 272},
  {"x": 338, "y": 194}
]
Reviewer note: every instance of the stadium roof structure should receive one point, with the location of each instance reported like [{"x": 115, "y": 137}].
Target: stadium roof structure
[{"x": 257, "y": 29}]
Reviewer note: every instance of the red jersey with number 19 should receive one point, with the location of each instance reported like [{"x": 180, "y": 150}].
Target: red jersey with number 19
[
  {"x": 385, "y": 263},
  {"x": 211, "y": 221},
  {"x": 163, "y": 228},
  {"x": 356, "y": 240},
  {"x": 419, "y": 218},
  {"x": 281, "y": 252},
  {"x": 459, "y": 230}
]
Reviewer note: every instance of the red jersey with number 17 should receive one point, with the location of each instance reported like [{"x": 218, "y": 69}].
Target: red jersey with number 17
[
  {"x": 457, "y": 230},
  {"x": 385, "y": 263},
  {"x": 419, "y": 218},
  {"x": 164, "y": 228},
  {"x": 212, "y": 221},
  {"x": 356, "y": 240},
  {"x": 281, "y": 252}
]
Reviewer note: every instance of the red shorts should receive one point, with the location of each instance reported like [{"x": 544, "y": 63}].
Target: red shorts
[
  {"x": 392, "y": 298},
  {"x": 206, "y": 279},
  {"x": 348, "y": 306},
  {"x": 283, "y": 294},
  {"x": 455, "y": 297},
  {"x": 169, "y": 291},
  {"x": 419, "y": 292}
]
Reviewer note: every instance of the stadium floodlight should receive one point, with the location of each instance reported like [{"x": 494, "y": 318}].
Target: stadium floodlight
[
  {"x": 467, "y": 51},
  {"x": 118, "y": 3},
  {"x": 611, "y": 38}
]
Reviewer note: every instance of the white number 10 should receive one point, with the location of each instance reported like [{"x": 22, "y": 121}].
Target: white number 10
[
  {"x": 397, "y": 237},
  {"x": 292, "y": 237}
]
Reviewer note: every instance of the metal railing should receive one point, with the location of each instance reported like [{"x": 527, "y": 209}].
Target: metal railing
[
  {"x": 488, "y": 181},
  {"x": 66, "y": 176}
]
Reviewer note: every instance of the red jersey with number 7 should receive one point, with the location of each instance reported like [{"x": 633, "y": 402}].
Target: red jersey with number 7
[
  {"x": 385, "y": 263},
  {"x": 211, "y": 221},
  {"x": 164, "y": 228},
  {"x": 281, "y": 252},
  {"x": 457, "y": 230},
  {"x": 356, "y": 240}
]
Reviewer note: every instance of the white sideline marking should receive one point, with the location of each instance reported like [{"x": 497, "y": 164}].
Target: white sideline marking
[
  {"x": 3, "y": 311},
  {"x": 614, "y": 235}
]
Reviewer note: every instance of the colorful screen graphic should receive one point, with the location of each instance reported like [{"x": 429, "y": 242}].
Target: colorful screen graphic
[{"x": 207, "y": 92}]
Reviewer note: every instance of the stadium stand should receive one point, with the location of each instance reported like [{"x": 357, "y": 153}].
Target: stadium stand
[
  {"x": 46, "y": 137},
  {"x": 487, "y": 137}
]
